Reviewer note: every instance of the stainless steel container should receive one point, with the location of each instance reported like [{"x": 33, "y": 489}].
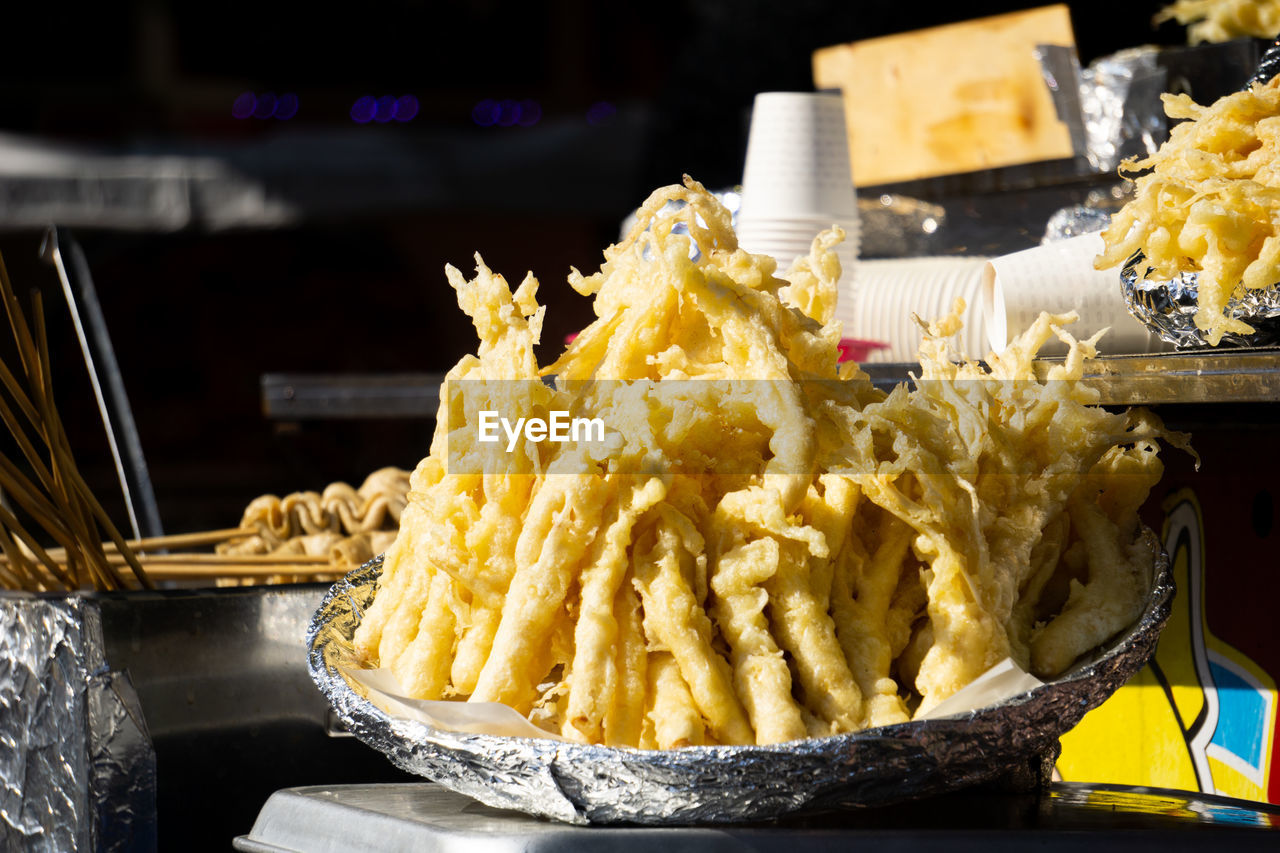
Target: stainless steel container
[{"x": 160, "y": 720}]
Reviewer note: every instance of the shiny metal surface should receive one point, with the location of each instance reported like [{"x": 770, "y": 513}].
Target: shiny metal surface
[
  {"x": 1168, "y": 308},
  {"x": 423, "y": 816},
  {"x": 298, "y": 396},
  {"x": 160, "y": 720},
  {"x": 584, "y": 784},
  {"x": 207, "y": 659},
  {"x": 1231, "y": 375},
  {"x": 1200, "y": 376},
  {"x": 221, "y": 677}
]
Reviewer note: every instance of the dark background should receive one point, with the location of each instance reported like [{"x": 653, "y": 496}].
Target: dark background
[{"x": 199, "y": 314}]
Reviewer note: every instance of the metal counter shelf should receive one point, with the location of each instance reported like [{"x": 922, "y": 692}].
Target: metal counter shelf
[
  {"x": 424, "y": 816},
  {"x": 1197, "y": 376},
  {"x": 1193, "y": 376}
]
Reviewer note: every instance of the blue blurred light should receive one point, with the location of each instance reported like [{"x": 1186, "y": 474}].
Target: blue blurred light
[
  {"x": 530, "y": 113},
  {"x": 508, "y": 112},
  {"x": 363, "y": 109},
  {"x": 600, "y": 112},
  {"x": 485, "y": 113},
  {"x": 286, "y": 106},
  {"x": 244, "y": 105},
  {"x": 406, "y": 108},
  {"x": 266, "y": 105},
  {"x": 384, "y": 109}
]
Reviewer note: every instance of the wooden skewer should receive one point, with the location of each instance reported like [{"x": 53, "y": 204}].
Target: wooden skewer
[
  {"x": 60, "y": 501},
  {"x": 11, "y": 580},
  {"x": 116, "y": 560},
  {"x": 163, "y": 543},
  {"x": 19, "y": 566},
  {"x": 178, "y": 541},
  {"x": 229, "y": 559},
  {"x": 21, "y": 334},
  {"x": 52, "y": 495},
  {"x": 163, "y": 568},
  {"x": 10, "y": 524},
  {"x": 159, "y": 570}
]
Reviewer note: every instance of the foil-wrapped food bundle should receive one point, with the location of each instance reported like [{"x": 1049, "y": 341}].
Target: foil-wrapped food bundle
[
  {"x": 754, "y": 585},
  {"x": 1169, "y": 308},
  {"x": 1199, "y": 242}
]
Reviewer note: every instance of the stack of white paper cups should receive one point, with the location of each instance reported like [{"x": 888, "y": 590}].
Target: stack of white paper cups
[
  {"x": 891, "y": 293},
  {"x": 797, "y": 181}
]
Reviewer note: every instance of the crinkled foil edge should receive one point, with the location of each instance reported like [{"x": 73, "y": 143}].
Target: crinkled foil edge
[
  {"x": 582, "y": 784},
  {"x": 1169, "y": 307}
]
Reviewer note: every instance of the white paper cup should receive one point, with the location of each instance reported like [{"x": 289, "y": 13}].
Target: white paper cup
[
  {"x": 797, "y": 162},
  {"x": 754, "y": 229},
  {"x": 760, "y": 235},
  {"x": 1059, "y": 277},
  {"x": 886, "y": 293},
  {"x": 797, "y": 223},
  {"x": 784, "y": 251},
  {"x": 797, "y": 181}
]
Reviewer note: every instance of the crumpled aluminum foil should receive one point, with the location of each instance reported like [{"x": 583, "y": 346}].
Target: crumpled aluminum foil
[
  {"x": 719, "y": 784},
  {"x": 1113, "y": 108},
  {"x": 1068, "y": 222},
  {"x": 1121, "y": 108},
  {"x": 1269, "y": 65},
  {"x": 1168, "y": 308},
  {"x": 77, "y": 767}
]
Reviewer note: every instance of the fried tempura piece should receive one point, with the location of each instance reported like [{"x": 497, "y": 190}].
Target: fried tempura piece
[{"x": 764, "y": 547}]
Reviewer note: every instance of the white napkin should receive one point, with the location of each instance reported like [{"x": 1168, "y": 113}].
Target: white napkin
[{"x": 1003, "y": 681}]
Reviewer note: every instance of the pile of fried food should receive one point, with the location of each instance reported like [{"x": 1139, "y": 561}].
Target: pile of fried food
[
  {"x": 1210, "y": 203},
  {"x": 767, "y": 548},
  {"x": 1216, "y": 21}
]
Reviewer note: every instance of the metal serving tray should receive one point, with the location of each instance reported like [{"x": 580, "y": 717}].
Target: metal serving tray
[{"x": 423, "y": 816}]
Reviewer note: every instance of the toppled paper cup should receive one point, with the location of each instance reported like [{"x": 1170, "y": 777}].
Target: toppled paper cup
[{"x": 1059, "y": 277}]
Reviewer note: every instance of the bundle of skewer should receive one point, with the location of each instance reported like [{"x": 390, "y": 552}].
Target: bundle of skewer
[
  {"x": 162, "y": 560},
  {"x": 54, "y": 533},
  {"x": 166, "y": 558},
  {"x": 50, "y": 495}
]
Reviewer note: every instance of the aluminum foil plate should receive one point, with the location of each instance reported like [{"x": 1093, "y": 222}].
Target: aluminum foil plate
[
  {"x": 584, "y": 784},
  {"x": 1168, "y": 308}
]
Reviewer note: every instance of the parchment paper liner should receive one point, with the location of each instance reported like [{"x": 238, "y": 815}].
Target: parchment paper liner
[{"x": 720, "y": 784}]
